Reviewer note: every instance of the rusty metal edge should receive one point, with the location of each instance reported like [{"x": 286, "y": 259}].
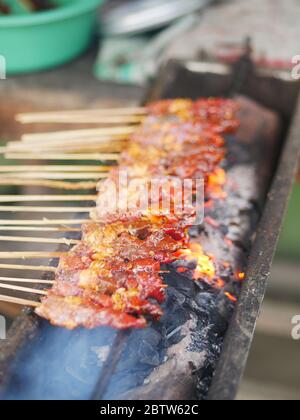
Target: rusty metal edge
[{"x": 238, "y": 340}]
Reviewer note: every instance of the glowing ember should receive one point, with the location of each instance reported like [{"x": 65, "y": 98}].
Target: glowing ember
[
  {"x": 220, "y": 283},
  {"x": 182, "y": 270},
  {"x": 205, "y": 269},
  {"x": 216, "y": 183},
  {"x": 231, "y": 297},
  {"x": 240, "y": 276}
]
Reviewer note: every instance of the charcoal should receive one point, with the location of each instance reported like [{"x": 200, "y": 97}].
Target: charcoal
[
  {"x": 205, "y": 300},
  {"x": 213, "y": 310},
  {"x": 147, "y": 354}
]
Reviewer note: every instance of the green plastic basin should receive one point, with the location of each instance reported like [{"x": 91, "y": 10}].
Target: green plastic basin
[{"x": 43, "y": 40}]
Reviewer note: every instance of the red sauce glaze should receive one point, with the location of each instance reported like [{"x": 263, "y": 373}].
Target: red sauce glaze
[{"x": 113, "y": 277}]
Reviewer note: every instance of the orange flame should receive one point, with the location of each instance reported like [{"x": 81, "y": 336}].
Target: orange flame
[
  {"x": 216, "y": 183},
  {"x": 205, "y": 267}
]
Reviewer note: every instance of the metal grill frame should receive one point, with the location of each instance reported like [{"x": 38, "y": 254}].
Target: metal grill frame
[{"x": 286, "y": 100}]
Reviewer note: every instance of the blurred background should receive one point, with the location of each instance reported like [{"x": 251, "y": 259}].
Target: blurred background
[
  {"x": 94, "y": 53},
  {"x": 273, "y": 371}
]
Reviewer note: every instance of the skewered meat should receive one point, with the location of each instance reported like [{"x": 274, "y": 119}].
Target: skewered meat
[
  {"x": 217, "y": 113},
  {"x": 112, "y": 277},
  {"x": 73, "y": 312}
]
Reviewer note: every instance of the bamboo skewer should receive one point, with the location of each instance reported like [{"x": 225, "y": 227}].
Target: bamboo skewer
[
  {"x": 107, "y": 132},
  {"x": 31, "y": 254},
  {"x": 69, "y": 150},
  {"x": 87, "y": 118},
  {"x": 56, "y": 116},
  {"x": 83, "y": 147},
  {"x": 37, "y": 229},
  {"x": 100, "y": 157},
  {"x": 28, "y": 267},
  {"x": 14, "y": 287},
  {"x": 44, "y": 222},
  {"x": 31, "y": 281},
  {"x": 17, "y": 301},
  {"x": 43, "y": 198},
  {"x": 61, "y": 146},
  {"x": 91, "y": 141},
  {"x": 54, "y": 168},
  {"x": 128, "y": 110},
  {"x": 60, "y": 185},
  {"x": 23, "y": 289},
  {"x": 63, "y": 241},
  {"x": 54, "y": 176},
  {"x": 38, "y": 209}
]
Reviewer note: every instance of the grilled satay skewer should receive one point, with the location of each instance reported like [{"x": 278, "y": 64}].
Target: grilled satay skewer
[{"x": 110, "y": 315}]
